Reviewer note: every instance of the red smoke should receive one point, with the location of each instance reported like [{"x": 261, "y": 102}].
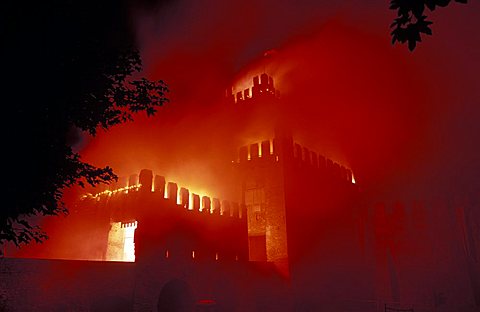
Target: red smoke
[{"x": 346, "y": 92}]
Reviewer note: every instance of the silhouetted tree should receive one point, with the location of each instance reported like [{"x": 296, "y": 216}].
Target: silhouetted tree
[
  {"x": 69, "y": 66},
  {"x": 411, "y": 21}
]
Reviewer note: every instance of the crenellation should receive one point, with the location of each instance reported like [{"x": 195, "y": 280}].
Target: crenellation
[
  {"x": 301, "y": 156},
  {"x": 146, "y": 180},
  {"x": 180, "y": 196},
  {"x": 239, "y": 96},
  {"x": 254, "y": 151},
  {"x": 246, "y": 94},
  {"x": 216, "y": 206},
  {"x": 270, "y": 83},
  {"x": 172, "y": 190},
  {"x": 259, "y": 150},
  {"x": 206, "y": 205},
  {"x": 184, "y": 198},
  {"x": 195, "y": 202},
  {"x": 262, "y": 86},
  {"x": 275, "y": 147},
  {"x": 264, "y": 79},
  {"x": 128, "y": 224},
  {"x": 256, "y": 81},
  {"x": 225, "y": 209},
  {"x": 265, "y": 149},
  {"x": 159, "y": 185}
]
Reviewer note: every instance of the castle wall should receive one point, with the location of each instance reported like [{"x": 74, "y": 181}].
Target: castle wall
[
  {"x": 328, "y": 263},
  {"x": 263, "y": 193},
  {"x": 65, "y": 285},
  {"x": 68, "y": 285},
  {"x": 420, "y": 255},
  {"x": 172, "y": 221},
  {"x": 311, "y": 223}
]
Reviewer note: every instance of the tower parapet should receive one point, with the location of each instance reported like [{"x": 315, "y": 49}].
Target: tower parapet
[
  {"x": 263, "y": 87},
  {"x": 268, "y": 150}
]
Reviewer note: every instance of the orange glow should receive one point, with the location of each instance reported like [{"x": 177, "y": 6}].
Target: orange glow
[
  {"x": 121, "y": 246},
  {"x": 129, "y": 244},
  {"x": 179, "y": 199},
  {"x": 110, "y": 193}
]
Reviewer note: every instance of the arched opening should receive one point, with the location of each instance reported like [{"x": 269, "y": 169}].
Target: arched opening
[{"x": 176, "y": 296}]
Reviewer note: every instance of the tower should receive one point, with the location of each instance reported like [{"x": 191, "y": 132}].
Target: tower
[{"x": 303, "y": 211}]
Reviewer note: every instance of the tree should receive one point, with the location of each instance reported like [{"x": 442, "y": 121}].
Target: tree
[
  {"x": 411, "y": 21},
  {"x": 70, "y": 65}
]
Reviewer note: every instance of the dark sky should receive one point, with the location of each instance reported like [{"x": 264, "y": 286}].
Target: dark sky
[{"x": 406, "y": 123}]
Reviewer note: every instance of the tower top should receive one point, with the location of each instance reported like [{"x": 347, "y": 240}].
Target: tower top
[{"x": 263, "y": 86}]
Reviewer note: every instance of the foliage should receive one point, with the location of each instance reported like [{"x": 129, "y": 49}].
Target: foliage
[
  {"x": 71, "y": 66},
  {"x": 411, "y": 21}
]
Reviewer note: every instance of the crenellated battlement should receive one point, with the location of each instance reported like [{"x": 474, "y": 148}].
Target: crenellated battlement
[
  {"x": 145, "y": 215},
  {"x": 169, "y": 192},
  {"x": 305, "y": 157},
  {"x": 263, "y": 86},
  {"x": 269, "y": 151}
]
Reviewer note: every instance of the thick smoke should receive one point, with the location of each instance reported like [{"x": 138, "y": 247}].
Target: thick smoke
[
  {"x": 401, "y": 121},
  {"x": 405, "y": 123}
]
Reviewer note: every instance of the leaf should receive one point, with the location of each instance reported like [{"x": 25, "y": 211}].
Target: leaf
[{"x": 412, "y": 43}]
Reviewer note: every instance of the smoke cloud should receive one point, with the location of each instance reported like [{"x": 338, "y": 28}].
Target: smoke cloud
[
  {"x": 404, "y": 122},
  {"x": 346, "y": 91}
]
